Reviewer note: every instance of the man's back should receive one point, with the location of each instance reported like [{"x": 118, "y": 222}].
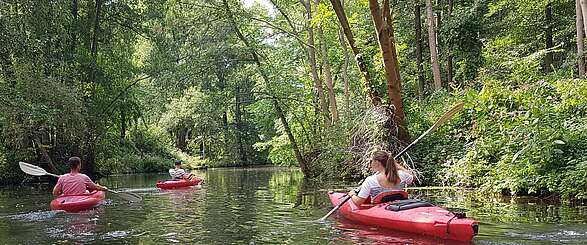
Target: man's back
[{"x": 72, "y": 184}]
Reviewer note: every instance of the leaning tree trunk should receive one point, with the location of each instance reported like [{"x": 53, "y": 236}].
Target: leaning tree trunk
[
  {"x": 433, "y": 46},
  {"x": 580, "y": 35},
  {"x": 44, "y": 154},
  {"x": 345, "y": 68},
  {"x": 312, "y": 60},
  {"x": 265, "y": 77},
  {"x": 340, "y": 14},
  {"x": 390, "y": 64}
]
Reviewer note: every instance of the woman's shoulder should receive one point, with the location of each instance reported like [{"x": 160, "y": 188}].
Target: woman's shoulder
[
  {"x": 403, "y": 173},
  {"x": 372, "y": 179}
]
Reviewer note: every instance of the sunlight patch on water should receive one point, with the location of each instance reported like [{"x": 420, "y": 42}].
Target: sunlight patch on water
[
  {"x": 556, "y": 236},
  {"x": 34, "y": 216}
]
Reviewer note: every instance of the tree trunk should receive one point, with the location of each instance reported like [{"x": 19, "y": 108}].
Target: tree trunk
[
  {"x": 584, "y": 12},
  {"x": 313, "y": 66},
  {"x": 180, "y": 138},
  {"x": 548, "y": 59},
  {"x": 94, "y": 43},
  {"x": 327, "y": 73},
  {"x": 44, "y": 154},
  {"x": 390, "y": 64},
  {"x": 345, "y": 72},
  {"x": 433, "y": 46},
  {"x": 122, "y": 125},
  {"x": 89, "y": 162},
  {"x": 345, "y": 67},
  {"x": 449, "y": 53},
  {"x": 579, "y": 25},
  {"x": 74, "y": 23},
  {"x": 239, "y": 126},
  {"x": 202, "y": 149},
  {"x": 418, "y": 29},
  {"x": 371, "y": 91},
  {"x": 265, "y": 77},
  {"x": 220, "y": 66}
]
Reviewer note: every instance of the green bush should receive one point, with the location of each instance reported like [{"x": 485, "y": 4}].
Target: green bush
[
  {"x": 526, "y": 138},
  {"x": 132, "y": 163},
  {"x": 144, "y": 150},
  {"x": 9, "y": 170}
]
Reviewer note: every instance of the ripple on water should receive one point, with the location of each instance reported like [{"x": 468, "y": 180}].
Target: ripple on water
[
  {"x": 33, "y": 216},
  {"x": 115, "y": 235},
  {"x": 555, "y": 236}
]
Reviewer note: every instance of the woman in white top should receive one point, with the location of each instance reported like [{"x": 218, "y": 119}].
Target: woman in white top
[
  {"x": 389, "y": 176},
  {"x": 178, "y": 173}
]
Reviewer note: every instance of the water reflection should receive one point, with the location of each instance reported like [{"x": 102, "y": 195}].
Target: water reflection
[{"x": 265, "y": 205}]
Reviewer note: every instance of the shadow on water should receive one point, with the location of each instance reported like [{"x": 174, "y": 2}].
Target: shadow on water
[{"x": 264, "y": 205}]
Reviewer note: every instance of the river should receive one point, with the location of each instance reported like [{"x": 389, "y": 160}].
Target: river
[{"x": 265, "y": 205}]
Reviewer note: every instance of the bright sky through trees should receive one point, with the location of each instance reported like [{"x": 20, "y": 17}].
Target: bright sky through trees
[{"x": 264, "y": 3}]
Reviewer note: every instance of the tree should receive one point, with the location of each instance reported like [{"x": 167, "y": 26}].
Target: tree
[
  {"x": 327, "y": 73},
  {"x": 580, "y": 35},
  {"x": 384, "y": 31},
  {"x": 312, "y": 60},
  {"x": 549, "y": 57},
  {"x": 433, "y": 46},
  {"x": 279, "y": 111},
  {"x": 340, "y": 14},
  {"x": 418, "y": 42}
]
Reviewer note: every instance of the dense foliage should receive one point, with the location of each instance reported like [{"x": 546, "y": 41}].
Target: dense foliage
[{"x": 131, "y": 85}]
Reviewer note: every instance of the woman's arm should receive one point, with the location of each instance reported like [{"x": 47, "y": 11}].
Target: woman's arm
[
  {"x": 356, "y": 199},
  {"x": 401, "y": 167},
  {"x": 406, "y": 176}
]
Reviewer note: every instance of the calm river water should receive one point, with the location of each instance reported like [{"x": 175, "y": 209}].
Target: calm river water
[{"x": 266, "y": 205}]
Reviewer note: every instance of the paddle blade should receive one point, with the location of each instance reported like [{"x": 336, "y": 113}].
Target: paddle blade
[
  {"x": 436, "y": 125},
  {"x": 130, "y": 197},
  {"x": 447, "y": 116},
  {"x": 31, "y": 169}
]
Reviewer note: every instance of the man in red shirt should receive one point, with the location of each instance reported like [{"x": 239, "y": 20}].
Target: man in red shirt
[{"x": 75, "y": 182}]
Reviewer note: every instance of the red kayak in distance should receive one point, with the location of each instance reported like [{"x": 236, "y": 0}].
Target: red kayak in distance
[
  {"x": 175, "y": 184},
  {"x": 77, "y": 203},
  {"x": 409, "y": 215}
]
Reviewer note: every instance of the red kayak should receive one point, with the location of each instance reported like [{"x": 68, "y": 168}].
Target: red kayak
[
  {"x": 174, "y": 184},
  {"x": 76, "y": 203},
  {"x": 409, "y": 215}
]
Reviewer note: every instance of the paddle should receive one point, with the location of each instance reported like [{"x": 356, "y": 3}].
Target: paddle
[
  {"x": 38, "y": 171},
  {"x": 436, "y": 125}
]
